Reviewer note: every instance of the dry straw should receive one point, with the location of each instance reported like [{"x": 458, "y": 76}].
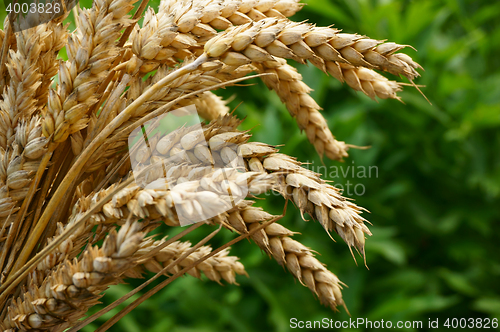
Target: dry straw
[{"x": 66, "y": 181}]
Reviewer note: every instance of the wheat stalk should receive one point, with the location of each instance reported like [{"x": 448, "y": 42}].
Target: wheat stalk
[
  {"x": 21, "y": 142},
  {"x": 55, "y": 37},
  {"x": 269, "y": 37},
  {"x": 210, "y": 74},
  {"x": 166, "y": 37}
]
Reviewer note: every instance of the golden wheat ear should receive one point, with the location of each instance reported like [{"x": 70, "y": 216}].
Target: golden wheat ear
[
  {"x": 276, "y": 241},
  {"x": 181, "y": 36},
  {"x": 30, "y": 68},
  {"x": 305, "y": 188}
]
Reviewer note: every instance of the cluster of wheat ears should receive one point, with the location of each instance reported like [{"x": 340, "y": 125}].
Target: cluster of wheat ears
[{"x": 66, "y": 183}]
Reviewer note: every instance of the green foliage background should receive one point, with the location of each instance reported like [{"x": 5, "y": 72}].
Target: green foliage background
[{"x": 434, "y": 206}]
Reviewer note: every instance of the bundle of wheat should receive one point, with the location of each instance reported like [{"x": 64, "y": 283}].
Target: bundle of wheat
[{"x": 72, "y": 172}]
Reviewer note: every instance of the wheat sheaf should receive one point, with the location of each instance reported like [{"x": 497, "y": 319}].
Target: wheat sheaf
[{"x": 75, "y": 215}]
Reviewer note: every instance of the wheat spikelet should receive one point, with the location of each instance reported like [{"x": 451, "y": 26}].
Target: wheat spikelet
[
  {"x": 20, "y": 127},
  {"x": 21, "y": 142},
  {"x": 210, "y": 106},
  {"x": 366, "y": 81},
  {"x": 320, "y": 200},
  {"x": 287, "y": 83},
  {"x": 153, "y": 204},
  {"x": 206, "y": 196},
  {"x": 324, "y": 47},
  {"x": 273, "y": 239},
  {"x": 19, "y": 163},
  {"x": 360, "y": 79},
  {"x": 305, "y": 188},
  {"x": 215, "y": 268},
  {"x": 18, "y": 99}
]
